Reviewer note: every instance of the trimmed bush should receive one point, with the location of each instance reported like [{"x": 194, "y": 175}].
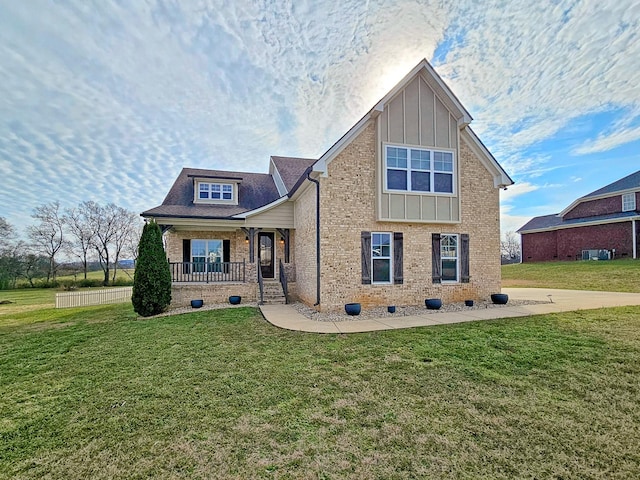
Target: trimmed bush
[{"x": 152, "y": 280}]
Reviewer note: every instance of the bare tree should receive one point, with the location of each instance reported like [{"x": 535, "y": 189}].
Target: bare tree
[
  {"x": 48, "y": 235},
  {"x": 33, "y": 266},
  {"x": 510, "y": 247},
  {"x": 7, "y": 234},
  {"x": 10, "y": 265},
  {"x": 131, "y": 246},
  {"x": 126, "y": 222},
  {"x": 104, "y": 225},
  {"x": 78, "y": 222}
]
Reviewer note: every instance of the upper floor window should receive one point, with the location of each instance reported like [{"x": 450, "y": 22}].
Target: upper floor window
[
  {"x": 628, "y": 202},
  {"x": 419, "y": 170},
  {"x": 215, "y": 191}
]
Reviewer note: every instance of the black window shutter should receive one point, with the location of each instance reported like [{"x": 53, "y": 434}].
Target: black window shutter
[
  {"x": 365, "y": 242},
  {"x": 464, "y": 258},
  {"x": 226, "y": 254},
  {"x": 397, "y": 258},
  {"x": 186, "y": 255},
  {"x": 226, "y": 251},
  {"x": 436, "y": 266}
]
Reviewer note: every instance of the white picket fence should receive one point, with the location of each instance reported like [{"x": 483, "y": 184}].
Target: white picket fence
[{"x": 93, "y": 297}]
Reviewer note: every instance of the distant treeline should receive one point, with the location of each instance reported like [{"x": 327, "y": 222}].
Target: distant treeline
[{"x": 96, "y": 236}]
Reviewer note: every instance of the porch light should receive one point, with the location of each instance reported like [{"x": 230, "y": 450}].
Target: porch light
[
  {"x": 282, "y": 240},
  {"x": 246, "y": 239}
]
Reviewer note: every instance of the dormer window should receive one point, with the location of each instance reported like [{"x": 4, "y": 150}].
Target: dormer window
[
  {"x": 215, "y": 192},
  {"x": 628, "y": 202}
]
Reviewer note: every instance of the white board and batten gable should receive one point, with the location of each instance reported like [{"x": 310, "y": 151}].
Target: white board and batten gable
[{"x": 420, "y": 112}]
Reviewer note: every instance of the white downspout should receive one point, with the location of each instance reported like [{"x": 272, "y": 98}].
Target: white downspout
[{"x": 633, "y": 232}]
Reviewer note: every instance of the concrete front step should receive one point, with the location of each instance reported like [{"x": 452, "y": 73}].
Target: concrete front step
[
  {"x": 273, "y": 290},
  {"x": 275, "y": 301},
  {"x": 273, "y": 294}
]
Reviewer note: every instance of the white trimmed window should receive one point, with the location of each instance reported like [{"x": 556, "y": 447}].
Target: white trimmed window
[
  {"x": 449, "y": 257},
  {"x": 215, "y": 191},
  {"x": 381, "y": 257},
  {"x": 419, "y": 169},
  {"x": 206, "y": 253},
  {"x": 628, "y": 202}
]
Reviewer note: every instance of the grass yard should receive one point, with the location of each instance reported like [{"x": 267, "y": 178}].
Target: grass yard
[
  {"x": 123, "y": 274},
  {"x": 613, "y": 275},
  {"x": 98, "y": 393}
]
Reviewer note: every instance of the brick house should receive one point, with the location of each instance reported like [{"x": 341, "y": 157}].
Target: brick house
[
  {"x": 403, "y": 207},
  {"x": 602, "y": 224}
]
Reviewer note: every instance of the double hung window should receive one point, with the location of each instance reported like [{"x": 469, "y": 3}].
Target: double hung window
[
  {"x": 419, "y": 170},
  {"x": 381, "y": 257},
  {"x": 449, "y": 257},
  {"x": 628, "y": 202}
]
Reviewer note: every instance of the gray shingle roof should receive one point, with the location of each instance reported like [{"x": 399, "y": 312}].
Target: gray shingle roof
[
  {"x": 291, "y": 169},
  {"x": 550, "y": 222},
  {"x": 626, "y": 183},
  {"x": 254, "y": 191}
]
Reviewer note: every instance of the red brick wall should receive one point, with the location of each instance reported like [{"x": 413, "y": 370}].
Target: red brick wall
[
  {"x": 592, "y": 208},
  {"x": 565, "y": 244},
  {"x": 539, "y": 247}
]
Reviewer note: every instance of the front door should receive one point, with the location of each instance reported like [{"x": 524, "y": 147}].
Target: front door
[{"x": 265, "y": 254}]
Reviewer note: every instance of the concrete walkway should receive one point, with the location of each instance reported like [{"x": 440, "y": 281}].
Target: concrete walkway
[{"x": 285, "y": 316}]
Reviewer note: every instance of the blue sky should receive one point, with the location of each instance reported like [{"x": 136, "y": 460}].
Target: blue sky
[{"x": 108, "y": 100}]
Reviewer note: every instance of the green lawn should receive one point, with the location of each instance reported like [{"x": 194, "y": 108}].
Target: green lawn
[
  {"x": 123, "y": 275},
  {"x": 99, "y": 393},
  {"x": 614, "y": 275}
]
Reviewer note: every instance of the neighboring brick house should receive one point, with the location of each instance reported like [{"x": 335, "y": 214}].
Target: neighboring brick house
[
  {"x": 602, "y": 224},
  {"x": 405, "y": 206}
]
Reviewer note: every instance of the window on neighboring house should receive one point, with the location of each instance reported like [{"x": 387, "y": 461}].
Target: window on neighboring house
[
  {"x": 419, "y": 170},
  {"x": 628, "y": 202},
  {"x": 206, "y": 252},
  {"x": 381, "y": 257},
  {"x": 215, "y": 191}
]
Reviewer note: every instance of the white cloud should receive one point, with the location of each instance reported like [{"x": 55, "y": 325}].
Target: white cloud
[
  {"x": 609, "y": 141},
  {"x": 530, "y": 68},
  {"x": 516, "y": 190},
  {"x": 113, "y": 100}
]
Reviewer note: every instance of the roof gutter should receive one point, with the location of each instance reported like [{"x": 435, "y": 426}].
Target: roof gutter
[
  {"x": 317, "y": 235},
  {"x": 300, "y": 181}
]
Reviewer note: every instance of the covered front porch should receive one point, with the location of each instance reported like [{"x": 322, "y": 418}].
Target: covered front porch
[{"x": 215, "y": 263}]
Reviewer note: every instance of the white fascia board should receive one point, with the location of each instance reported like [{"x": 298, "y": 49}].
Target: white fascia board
[
  {"x": 500, "y": 177},
  {"x": 277, "y": 179},
  {"x": 466, "y": 117},
  {"x": 264, "y": 208},
  {"x": 199, "y": 223},
  {"x": 580, "y": 200},
  {"x": 321, "y": 165},
  {"x": 578, "y": 225}
]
